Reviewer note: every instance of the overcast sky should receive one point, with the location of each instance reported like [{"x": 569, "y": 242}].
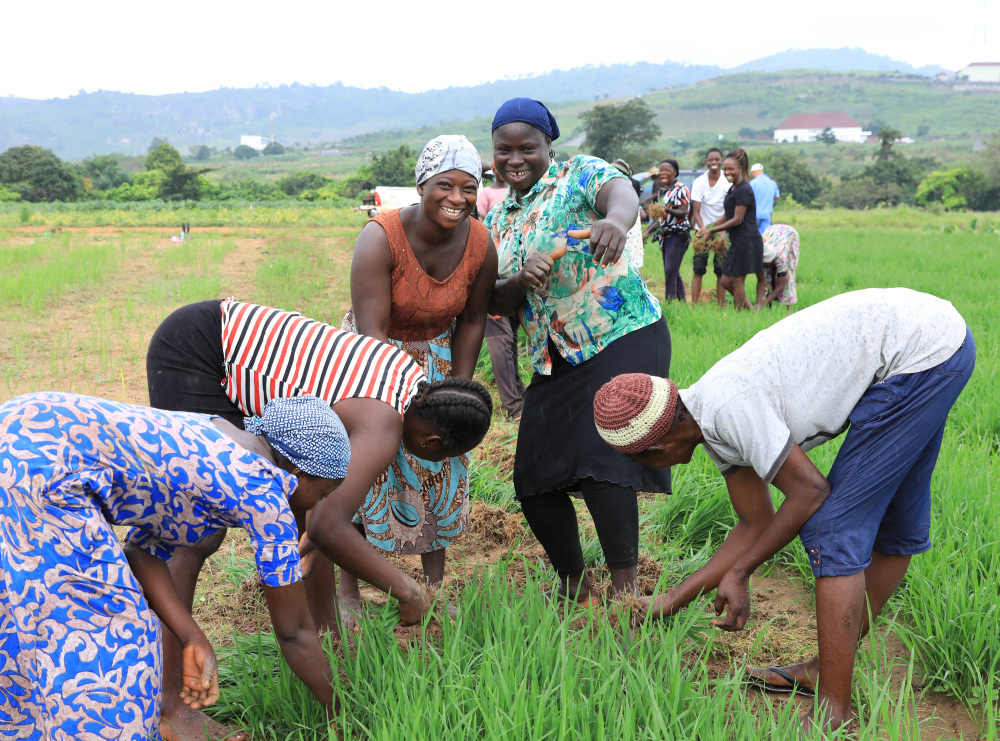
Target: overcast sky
[{"x": 56, "y": 48}]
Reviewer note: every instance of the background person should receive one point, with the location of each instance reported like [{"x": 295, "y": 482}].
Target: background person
[
  {"x": 746, "y": 248},
  {"x": 781, "y": 263},
  {"x": 501, "y": 331},
  {"x": 634, "y": 239},
  {"x": 490, "y": 195},
  {"x": 708, "y": 194},
  {"x": 765, "y": 192},
  {"x": 588, "y": 315},
  {"x": 421, "y": 279},
  {"x": 884, "y": 364},
  {"x": 73, "y": 467},
  {"x": 228, "y": 359},
  {"x": 675, "y": 229}
]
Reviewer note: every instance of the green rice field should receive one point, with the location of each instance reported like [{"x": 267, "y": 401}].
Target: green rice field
[{"x": 83, "y": 290}]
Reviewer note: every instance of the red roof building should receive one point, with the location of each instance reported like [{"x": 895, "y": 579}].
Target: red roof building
[{"x": 805, "y": 127}]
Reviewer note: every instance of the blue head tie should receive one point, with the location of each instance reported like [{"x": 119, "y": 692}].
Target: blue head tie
[
  {"x": 529, "y": 111},
  {"x": 306, "y": 431}
]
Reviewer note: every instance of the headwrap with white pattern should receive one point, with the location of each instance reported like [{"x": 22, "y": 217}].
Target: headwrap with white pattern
[
  {"x": 306, "y": 431},
  {"x": 448, "y": 152}
]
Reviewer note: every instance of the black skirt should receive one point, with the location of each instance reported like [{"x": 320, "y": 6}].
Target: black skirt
[
  {"x": 558, "y": 443},
  {"x": 185, "y": 365},
  {"x": 745, "y": 257}
]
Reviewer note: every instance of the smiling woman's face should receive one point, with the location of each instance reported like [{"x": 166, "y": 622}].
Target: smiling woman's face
[
  {"x": 520, "y": 155},
  {"x": 449, "y": 197}
]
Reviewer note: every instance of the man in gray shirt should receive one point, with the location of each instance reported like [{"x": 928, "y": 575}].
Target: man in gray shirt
[{"x": 886, "y": 363}]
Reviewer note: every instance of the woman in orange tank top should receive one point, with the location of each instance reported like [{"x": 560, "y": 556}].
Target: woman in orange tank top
[{"x": 421, "y": 279}]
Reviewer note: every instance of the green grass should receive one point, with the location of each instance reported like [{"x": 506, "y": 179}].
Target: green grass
[{"x": 513, "y": 666}]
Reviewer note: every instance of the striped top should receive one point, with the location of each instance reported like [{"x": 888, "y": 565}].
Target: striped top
[{"x": 270, "y": 354}]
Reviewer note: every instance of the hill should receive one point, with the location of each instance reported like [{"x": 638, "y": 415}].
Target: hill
[{"x": 105, "y": 121}]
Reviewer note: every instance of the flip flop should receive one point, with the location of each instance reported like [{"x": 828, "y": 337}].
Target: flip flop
[{"x": 792, "y": 688}]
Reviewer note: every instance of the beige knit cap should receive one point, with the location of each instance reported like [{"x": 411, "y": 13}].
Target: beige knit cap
[{"x": 632, "y": 411}]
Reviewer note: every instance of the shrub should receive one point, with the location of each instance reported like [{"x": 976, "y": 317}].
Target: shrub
[
  {"x": 293, "y": 185},
  {"x": 243, "y": 152}
]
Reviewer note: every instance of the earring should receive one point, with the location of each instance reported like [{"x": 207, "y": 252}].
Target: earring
[{"x": 423, "y": 444}]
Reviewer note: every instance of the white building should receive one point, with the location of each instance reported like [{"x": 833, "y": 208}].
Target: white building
[
  {"x": 255, "y": 142},
  {"x": 979, "y": 72},
  {"x": 805, "y": 127}
]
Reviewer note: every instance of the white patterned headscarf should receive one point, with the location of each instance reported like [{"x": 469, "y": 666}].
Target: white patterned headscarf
[{"x": 448, "y": 152}]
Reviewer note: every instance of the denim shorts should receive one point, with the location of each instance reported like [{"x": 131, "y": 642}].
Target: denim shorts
[{"x": 880, "y": 497}]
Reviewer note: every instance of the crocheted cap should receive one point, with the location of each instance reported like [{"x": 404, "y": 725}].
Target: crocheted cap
[{"x": 632, "y": 411}]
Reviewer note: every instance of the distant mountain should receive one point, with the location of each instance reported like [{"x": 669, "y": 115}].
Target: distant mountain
[
  {"x": 104, "y": 121},
  {"x": 835, "y": 60}
]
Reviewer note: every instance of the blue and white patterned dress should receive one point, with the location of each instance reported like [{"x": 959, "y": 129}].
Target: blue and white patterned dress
[{"x": 79, "y": 645}]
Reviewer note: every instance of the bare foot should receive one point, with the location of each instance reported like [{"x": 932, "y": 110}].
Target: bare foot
[
  {"x": 350, "y": 611},
  {"x": 181, "y": 723}
]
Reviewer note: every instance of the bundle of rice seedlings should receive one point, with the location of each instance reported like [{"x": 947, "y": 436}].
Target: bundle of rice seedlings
[
  {"x": 657, "y": 211},
  {"x": 716, "y": 243}
]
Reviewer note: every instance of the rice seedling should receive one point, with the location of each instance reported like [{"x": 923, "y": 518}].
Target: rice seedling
[{"x": 512, "y": 665}]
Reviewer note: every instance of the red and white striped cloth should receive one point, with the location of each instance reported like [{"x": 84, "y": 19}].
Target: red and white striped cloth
[{"x": 270, "y": 353}]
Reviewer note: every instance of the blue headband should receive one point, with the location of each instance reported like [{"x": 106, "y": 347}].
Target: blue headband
[
  {"x": 306, "y": 431},
  {"x": 531, "y": 112}
]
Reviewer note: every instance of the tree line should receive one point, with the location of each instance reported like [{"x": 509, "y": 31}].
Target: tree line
[{"x": 625, "y": 130}]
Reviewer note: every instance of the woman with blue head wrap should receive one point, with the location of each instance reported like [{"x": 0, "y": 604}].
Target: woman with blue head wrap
[
  {"x": 307, "y": 394},
  {"x": 74, "y": 466},
  {"x": 421, "y": 279},
  {"x": 589, "y": 316}
]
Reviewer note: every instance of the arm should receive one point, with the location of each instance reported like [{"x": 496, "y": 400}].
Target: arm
[
  {"x": 678, "y": 211},
  {"x": 779, "y": 285},
  {"x": 375, "y": 434},
  {"x": 616, "y": 200},
  {"x": 201, "y": 676},
  {"x": 754, "y": 508},
  {"x": 805, "y": 489},
  {"x": 739, "y": 213},
  {"x": 471, "y": 323},
  {"x": 508, "y": 293},
  {"x": 371, "y": 282},
  {"x": 696, "y": 214},
  {"x": 299, "y": 642}
]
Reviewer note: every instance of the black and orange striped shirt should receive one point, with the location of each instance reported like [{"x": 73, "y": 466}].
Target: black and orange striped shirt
[{"x": 270, "y": 353}]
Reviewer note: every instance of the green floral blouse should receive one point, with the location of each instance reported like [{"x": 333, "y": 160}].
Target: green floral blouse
[{"x": 584, "y": 307}]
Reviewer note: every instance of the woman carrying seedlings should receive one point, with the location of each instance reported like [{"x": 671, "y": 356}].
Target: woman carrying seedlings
[
  {"x": 80, "y": 644},
  {"x": 781, "y": 263},
  {"x": 588, "y": 315},
  {"x": 746, "y": 248},
  {"x": 229, "y": 358},
  {"x": 421, "y": 280},
  {"x": 675, "y": 229}
]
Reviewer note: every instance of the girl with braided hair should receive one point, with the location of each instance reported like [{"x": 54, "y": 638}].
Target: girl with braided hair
[
  {"x": 746, "y": 248},
  {"x": 228, "y": 359},
  {"x": 421, "y": 279}
]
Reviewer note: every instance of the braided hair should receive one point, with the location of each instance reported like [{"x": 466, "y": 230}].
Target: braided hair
[
  {"x": 460, "y": 410},
  {"x": 739, "y": 156}
]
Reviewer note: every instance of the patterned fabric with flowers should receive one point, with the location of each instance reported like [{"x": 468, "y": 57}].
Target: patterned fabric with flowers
[{"x": 583, "y": 307}]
